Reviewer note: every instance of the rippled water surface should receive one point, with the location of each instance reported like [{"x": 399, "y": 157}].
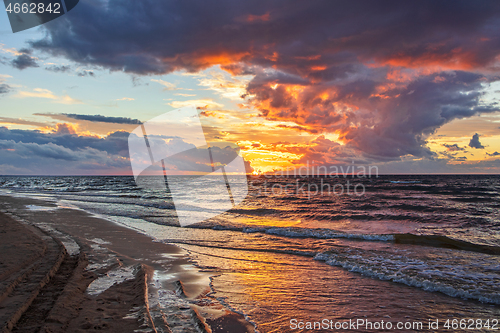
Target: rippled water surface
[{"x": 407, "y": 248}]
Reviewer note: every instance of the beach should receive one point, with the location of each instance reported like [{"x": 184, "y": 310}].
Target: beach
[{"x": 67, "y": 271}]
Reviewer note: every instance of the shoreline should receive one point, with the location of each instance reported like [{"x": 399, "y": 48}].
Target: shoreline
[{"x": 111, "y": 277}]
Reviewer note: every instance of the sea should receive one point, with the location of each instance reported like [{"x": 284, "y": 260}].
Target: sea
[{"x": 306, "y": 254}]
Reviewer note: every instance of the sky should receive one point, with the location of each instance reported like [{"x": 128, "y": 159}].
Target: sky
[{"x": 410, "y": 87}]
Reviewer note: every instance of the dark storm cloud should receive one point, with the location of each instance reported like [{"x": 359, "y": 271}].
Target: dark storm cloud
[
  {"x": 33, "y": 152},
  {"x": 474, "y": 142},
  {"x": 36, "y": 153},
  {"x": 324, "y": 65},
  {"x": 416, "y": 112},
  {"x": 115, "y": 143},
  {"x": 393, "y": 125},
  {"x": 180, "y": 34},
  {"x": 51, "y": 159},
  {"x": 48, "y": 150},
  {"x": 24, "y": 60},
  {"x": 103, "y": 119}
]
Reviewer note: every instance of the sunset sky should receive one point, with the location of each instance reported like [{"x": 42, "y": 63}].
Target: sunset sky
[{"x": 408, "y": 86}]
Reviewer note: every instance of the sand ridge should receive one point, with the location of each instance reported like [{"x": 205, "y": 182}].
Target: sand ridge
[{"x": 119, "y": 265}]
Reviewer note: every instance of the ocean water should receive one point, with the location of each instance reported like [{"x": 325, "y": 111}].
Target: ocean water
[{"x": 402, "y": 249}]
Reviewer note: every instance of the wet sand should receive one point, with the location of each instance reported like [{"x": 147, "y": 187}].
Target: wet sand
[{"x": 77, "y": 273}]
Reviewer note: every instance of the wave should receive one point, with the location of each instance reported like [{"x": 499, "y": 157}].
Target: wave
[
  {"x": 292, "y": 232},
  {"x": 255, "y": 211},
  {"x": 325, "y": 234},
  {"x": 405, "y": 181},
  {"x": 445, "y": 242},
  {"x": 435, "y": 241},
  {"x": 464, "y": 275},
  {"x": 473, "y": 278}
]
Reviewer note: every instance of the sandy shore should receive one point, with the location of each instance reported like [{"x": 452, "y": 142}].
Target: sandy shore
[{"x": 64, "y": 270}]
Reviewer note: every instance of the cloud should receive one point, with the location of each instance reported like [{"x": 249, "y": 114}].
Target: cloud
[
  {"x": 185, "y": 95},
  {"x": 167, "y": 85},
  {"x": 453, "y": 147},
  {"x": 86, "y": 73},
  {"x": 185, "y": 158},
  {"x": 62, "y": 152},
  {"x": 494, "y": 154},
  {"x": 52, "y": 159},
  {"x": 7, "y": 120},
  {"x": 388, "y": 125},
  {"x": 24, "y": 60},
  {"x": 104, "y": 119},
  {"x": 115, "y": 143},
  {"x": 45, "y": 93},
  {"x": 65, "y": 152},
  {"x": 383, "y": 76},
  {"x": 63, "y": 129},
  {"x": 201, "y": 103},
  {"x": 86, "y": 127},
  {"x": 298, "y": 128},
  {"x": 474, "y": 142},
  {"x": 38, "y": 93},
  {"x": 213, "y": 114},
  {"x": 226, "y": 86},
  {"x": 126, "y": 99},
  {"x": 199, "y": 159},
  {"x": 48, "y": 150},
  {"x": 440, "y": 166},
  {"x": 67, "y": 68},
  {"x": 289, "y": 37},
  {"x": 58, "y": 69},
  {"x": 137, "y": 81},
  {"x": 4, "y": 88},
  {"x": 12, "y": 51}
]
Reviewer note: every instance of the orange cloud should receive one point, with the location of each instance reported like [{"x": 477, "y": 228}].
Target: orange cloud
[
  {"x": 219, "y": 57},
  {"x": 318, "y": 68},
  {"x": 457, "y": 59},
  {"x": 213, "y": 114},
  {"x": 67, "y": 128},
  {"x": 256, "y": 18}
]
